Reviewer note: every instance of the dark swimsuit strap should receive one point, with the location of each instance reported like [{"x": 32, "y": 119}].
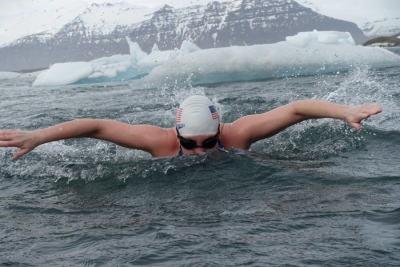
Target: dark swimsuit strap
[{"x": 220, "y": 145}]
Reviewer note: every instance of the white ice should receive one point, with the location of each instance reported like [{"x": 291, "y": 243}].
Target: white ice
[
  {"x": 64, "y": 73},
  {"x": 6, "y": 75},
  {"x": 306, "y": 53}
]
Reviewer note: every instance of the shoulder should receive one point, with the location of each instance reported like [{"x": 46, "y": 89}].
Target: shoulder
[
  {"x": 165, "y": 142},
  {"x": 233, "y": 136},
  {"x": 248, "y": 129}
]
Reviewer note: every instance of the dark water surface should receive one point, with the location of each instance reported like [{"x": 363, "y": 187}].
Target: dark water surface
[{"x": 317, "y": 194}]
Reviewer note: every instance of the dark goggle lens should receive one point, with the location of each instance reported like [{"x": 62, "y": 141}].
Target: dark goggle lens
[
  {"x": 190, "y": 144},
  {"x": 210, "y": 142}
]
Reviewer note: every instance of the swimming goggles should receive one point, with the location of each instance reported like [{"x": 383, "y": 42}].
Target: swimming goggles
[{"x": 190, "y": 144}]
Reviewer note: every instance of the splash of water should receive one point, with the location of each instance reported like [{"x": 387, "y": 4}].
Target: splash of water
[{"x": 364, "y": 85}]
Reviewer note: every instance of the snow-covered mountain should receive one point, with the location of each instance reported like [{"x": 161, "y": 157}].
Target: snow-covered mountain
[
  {"x": 100, "y": 29},
  {"x": 381, "y": 27},
  {"x": 374, "y": 18}
]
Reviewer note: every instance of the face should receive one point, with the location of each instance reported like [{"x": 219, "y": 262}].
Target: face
[{"x": 198, "y": 144}]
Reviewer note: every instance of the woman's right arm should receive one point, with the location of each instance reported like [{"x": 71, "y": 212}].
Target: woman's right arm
[{"x": 133, "y": 136}]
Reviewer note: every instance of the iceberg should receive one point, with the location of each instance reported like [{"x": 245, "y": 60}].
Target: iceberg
[
  {"x": 158, "y": 57},
  {"x": 135, "y": 52},
  {"x": 108, "y": 69},
  {"x": 5, "y": 75},
  {"x": 64, "y": 73},
  {"x": 306, "y": 53}
]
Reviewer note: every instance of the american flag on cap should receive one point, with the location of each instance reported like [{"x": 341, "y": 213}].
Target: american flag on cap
[
  {"x": 214, "y": 113},
  {"x": 179, "y": 115}
]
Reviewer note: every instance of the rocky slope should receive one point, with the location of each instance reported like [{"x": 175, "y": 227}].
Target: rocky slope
[{"x": 384, "y": 41}]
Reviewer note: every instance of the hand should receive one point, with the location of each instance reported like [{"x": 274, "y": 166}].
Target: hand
[
  {"x": 356, "y": 114},
  {"x": 24, "y": 140}
]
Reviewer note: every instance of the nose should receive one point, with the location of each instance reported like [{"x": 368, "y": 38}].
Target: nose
[{"x": 198, "y": 150}]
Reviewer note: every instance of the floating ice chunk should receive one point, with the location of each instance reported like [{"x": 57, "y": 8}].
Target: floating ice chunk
[
  {"x": 30, "y": 74},
  {"x": 324, "y": 37},
  {"x": 297, "y": 41},
  {"x": 305, "y": 54},
  {"x": 110, "y": 73},
  {"x": 328, "y": 39},
  {"x": 110, "y": 65},
  {"x": 114, "y": 68},
  {"x": 135, "y": 51},
  {"x": 302, "y": 38},
  {"x": 155, "y": 48},
  {"x": 333, "y": 37},
  {"x": 4, "y": 75},
  {"x": 158, "y": 57},
  {"x": 188, "y": 47},
  {"x": 64, "y": 73},
  {"x": 96, "y": 75}
]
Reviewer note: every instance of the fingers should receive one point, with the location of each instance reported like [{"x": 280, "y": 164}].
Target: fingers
[
  {"x": 362, "y": 112},
  {"x": 20, "y": 153},
  {"x": 8, "y": 144},
  {"x": 366, "y": 110},
  {"x": 8, "y": 138},
  {"x": 377, "y": 109},
  {"x": 7, "y": 135},
  {"x": 21, "y": 139},
  {"x": 364, "y": 115},
  {"x": 370, "y": 109},
  {"x": 356, "y": 125}
]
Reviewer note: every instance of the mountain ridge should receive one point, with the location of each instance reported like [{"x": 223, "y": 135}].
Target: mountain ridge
[{"x": 101, "y": 29}]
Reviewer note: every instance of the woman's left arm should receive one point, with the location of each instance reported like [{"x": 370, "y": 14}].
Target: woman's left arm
[
  {"x": 249, "y": 129},
  {"x": 353, "y": 115}
]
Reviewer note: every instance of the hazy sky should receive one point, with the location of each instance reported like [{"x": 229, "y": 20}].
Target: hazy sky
[
  {"x": 358, "y": 8},
  {"x": 16, "y": 6}
]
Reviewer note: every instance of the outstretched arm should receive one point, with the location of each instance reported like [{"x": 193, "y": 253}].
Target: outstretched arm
[
  {"x": 353, "y": 115},
  {"x": 252, "y": 128},
  {"x": 143, "y": 137}
]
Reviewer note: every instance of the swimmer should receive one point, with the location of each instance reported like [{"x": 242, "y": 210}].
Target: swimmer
[{"x": 198, "y": 128}]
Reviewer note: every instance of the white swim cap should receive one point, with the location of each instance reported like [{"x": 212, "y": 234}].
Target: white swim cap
[{"x": 197, "y": 115}]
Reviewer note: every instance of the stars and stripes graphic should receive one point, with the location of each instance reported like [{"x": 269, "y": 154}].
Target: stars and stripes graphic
[
  {"x": 214, "y": 113},
  {"x": 179, "y": 115}
]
